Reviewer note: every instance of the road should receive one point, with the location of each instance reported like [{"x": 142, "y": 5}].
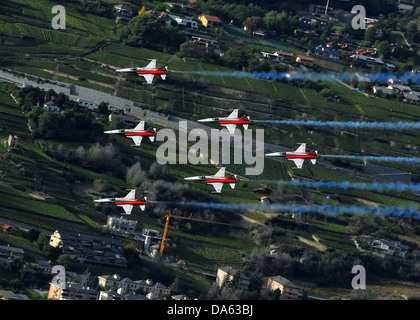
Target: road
[{"x": 372, "y": 172}]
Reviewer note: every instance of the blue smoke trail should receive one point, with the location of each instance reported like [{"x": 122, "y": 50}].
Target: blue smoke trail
[
  {"x": 376, "y": 158},
  {"x": 372, "y": 186},
  {"x": 349, "y": 124},
  {"x": 405, "y": 212},
  {"x": 310, "y": 76}
]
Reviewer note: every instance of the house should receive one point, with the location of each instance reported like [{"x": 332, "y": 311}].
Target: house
[
  {"x": 316, "y": 9},
  {"x": 411, "y": 98},
  {"x": 12, "y": 142},
  {"x": 187, "y": 23},
  {"x": 228, "y": 274},
  {"x": 90, "y": 248},
  {"x": 289, "y": 291},
  {"x": 203, "y": 42},
  {"x": 121, "y": 224},
  {"x": 123, "y": 12},
  {"x": 309, "y": 21},
  {"x": 44, "y": 266},
  {"x": 72, "y": 291},
  {"x": 10, "y": 295},
  {"x": 305, "y": 60},
  {"x": 127, "y": 119},
  {"x": 265, "y": 200},
  {"x": 180, "y": 297},
  {"x": 128, "y": 286},
  {"x": 209, "y": 21},
  {"x": 278, "y": 56},
  {"x": 6, "y": 228},
  {"x": 365, "y": 61},
  {"x": 161, "y": 15},
  {"x": 52, "y": 107},
  {"x": 326, "y": 51},
  {"x": 389, "y": 247},
  {"x": 384, "y": 90},
  {"x": 86, "y": 104},
  {"x": 398, "y": 88},
  {"x": 406, "y": 5},
  {"x": 114, "y": 295},
  {"x": 8, "y": 253}
]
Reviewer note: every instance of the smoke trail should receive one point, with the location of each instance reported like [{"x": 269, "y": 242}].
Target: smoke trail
[
  {"x": 376, "y": 158},
  {"x": 349, "y": 124},
  {"x": 373, "y": 186},
  {"x": 302, "y": 209},
  {"x": 310, "y": 76}
]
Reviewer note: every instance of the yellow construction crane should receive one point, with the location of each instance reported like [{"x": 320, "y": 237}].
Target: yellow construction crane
[{"x": 168, "y": 216}]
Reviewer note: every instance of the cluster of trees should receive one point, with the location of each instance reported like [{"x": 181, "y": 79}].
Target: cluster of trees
[
  {"x": 70, "y": 126},
  {"x": 149, "y": 32},
  {"x": 74, "y": 124}
]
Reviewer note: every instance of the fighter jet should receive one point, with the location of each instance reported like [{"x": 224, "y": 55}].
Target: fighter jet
[
  {"x": 231, "y": 121},
  {"x": 148, "y": 72},
  {"x": 137, "y": 133},
  {"x": 127, "y": 202},
  {"x": 298, "y": 156},
  {"x": 217, "y": 180}
]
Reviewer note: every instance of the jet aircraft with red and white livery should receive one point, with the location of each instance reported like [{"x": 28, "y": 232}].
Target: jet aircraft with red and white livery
[
  {"x": 231, "y": 121},
  {"x": 218, "y": 180},
  {"x": 137, "y": 133},
  {"x": 128, "y": 202},
  {"x": 298, "y": 156},
  {"x": 148, "y": 72}
]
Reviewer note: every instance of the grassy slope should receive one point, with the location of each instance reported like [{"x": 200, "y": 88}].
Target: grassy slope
[{"x": 57, "y": 43}]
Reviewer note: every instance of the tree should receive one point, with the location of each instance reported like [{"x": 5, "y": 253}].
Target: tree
[
  {"x": 370, "y": 35},
  {"x": 66, "y": 261},
  {"x": 326, "y": 93},
  {"x": 103, "y": 108},
  {"x": 383, "y": 49},
  {"x": 144, "y": 30},
  {"x": 253, "y": 24},
  {"x": 411, "y": 31},
  {"x": 258, "y": 65},
  {"x": 238, "y": 56},
  {"x": 280, "y": 23}
]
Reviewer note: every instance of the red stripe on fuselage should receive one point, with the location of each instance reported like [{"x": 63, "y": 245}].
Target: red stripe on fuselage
[
  {"x": 131, "y": 202},
  {"x": 151, "y": 72},
  {"x": 307, "y": 156},
  {"x": 130, "y": 134},
  {"x": 234, "y": 122},
  {"x": 220, "y": 181}
]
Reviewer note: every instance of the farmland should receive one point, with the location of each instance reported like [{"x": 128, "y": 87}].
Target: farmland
[{"x": 49, "y": 184}]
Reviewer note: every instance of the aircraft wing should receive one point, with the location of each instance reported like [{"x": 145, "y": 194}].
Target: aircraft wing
[
  {"x": 152, "y": 64},
  {"x": 131, "y": 194},
  {"x": 148, "y": 77},
  {"x": 234, "y": 114},
  {"x": 298, "y": 162},
  {"x": 137, "y": 139},
  {"x": 221, "y": 172},
  {"x": 127, "y": 208},
  {"x": 217, "y": 186},
  {"x": 302, "y": 148},
  {"x": 230, "y": 127},
  {"x": 140, "y": 126}
]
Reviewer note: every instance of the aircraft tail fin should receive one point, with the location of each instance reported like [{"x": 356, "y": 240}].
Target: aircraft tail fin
[
  {"x": 245, "y": 126},
  {"x": 142, "y": 207},
  {"x": 313, "y": 161},
  {"x": 232, "y": 185},
  {"x": 163, "y": 76},
  {"x": 152, "y": 138}
]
